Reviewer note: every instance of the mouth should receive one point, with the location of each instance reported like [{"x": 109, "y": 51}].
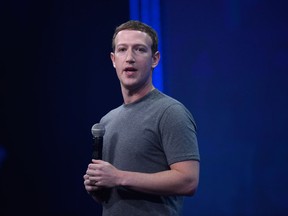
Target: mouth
[{"x": 130, "y": 69}]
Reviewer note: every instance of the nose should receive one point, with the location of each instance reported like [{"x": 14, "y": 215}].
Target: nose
[{"x": 130, "y": 57}]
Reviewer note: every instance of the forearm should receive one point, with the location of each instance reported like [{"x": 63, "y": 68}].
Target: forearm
[
  {"x": 164, "y": 183},
  {"x": 180, "y": 179},
  {"x": 168, "y": 182}
]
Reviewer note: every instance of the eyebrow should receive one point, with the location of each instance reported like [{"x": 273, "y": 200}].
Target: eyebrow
[{"x": 125, "y": 44}]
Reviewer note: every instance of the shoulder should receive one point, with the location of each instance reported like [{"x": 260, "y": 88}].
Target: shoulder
[
  {"x": 163, "y": 99},
  {"x": 111, "y": 114},
  {"x": 173, "y": 111},
  {"x": 171, "y": 104}
]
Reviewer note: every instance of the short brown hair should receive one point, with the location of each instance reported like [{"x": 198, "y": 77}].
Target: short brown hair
[{"x": 138, "y": 26}]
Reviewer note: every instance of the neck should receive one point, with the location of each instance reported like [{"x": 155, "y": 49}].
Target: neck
[{"x": 131, "y": 96}]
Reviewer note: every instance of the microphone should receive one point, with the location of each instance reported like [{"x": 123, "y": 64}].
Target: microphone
[{"x": 98, "y": 131}]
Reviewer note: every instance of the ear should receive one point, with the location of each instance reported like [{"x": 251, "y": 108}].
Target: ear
[
  {"x": 112, "y": 56},
  {"x": 155, "y": 59}
]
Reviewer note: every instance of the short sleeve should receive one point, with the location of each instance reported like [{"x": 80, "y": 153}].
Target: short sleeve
[{"x": 178, "y": 134}]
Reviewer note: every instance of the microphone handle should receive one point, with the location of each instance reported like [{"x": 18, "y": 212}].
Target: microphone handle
[{"x": 97, "y": 148}]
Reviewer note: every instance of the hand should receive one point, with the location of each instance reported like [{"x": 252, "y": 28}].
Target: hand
[
  {"x": 100, "y": 174},
  {"x": 90, "y": 184}
]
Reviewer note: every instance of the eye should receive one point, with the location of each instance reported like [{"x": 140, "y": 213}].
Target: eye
[
  {"x": 141, "y": 49},
  {"x": 121, "y": 49}
]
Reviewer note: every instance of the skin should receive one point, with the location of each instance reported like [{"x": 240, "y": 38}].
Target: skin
[{"x": 134, "y": 64}]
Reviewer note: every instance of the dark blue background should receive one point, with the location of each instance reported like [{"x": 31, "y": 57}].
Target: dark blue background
[{"x": 226, "y": 60}]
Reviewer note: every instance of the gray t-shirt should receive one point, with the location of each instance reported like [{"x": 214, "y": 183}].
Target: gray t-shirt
[{"x": 147, "y": 136}]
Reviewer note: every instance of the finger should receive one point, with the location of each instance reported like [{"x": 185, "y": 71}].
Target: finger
[
  {"x": 92, "y": 166},
  {"x": 91, "y": 188},
  {"x": 92, "y": 172},
  {"x": 94, "y": 179},
  {"x": 94, "y": 161},
  {"x": 86, "y": 177},
  {"x": 90, "y": 183}
]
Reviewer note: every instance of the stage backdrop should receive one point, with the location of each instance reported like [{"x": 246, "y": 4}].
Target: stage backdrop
[
  {"x": 57, "y": 80},
  {"x": 228, "y": 62}
]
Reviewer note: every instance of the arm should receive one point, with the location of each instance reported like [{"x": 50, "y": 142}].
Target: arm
[{"x": 181, "y": 179}]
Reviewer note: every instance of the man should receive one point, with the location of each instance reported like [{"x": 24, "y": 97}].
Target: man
[{"x": 150, "y": 151}]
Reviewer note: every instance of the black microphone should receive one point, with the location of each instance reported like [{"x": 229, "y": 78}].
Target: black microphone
[{"x": 98, "y": 131}]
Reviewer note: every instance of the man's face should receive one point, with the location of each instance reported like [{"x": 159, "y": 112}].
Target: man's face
[{"x": 133, "y": 59}]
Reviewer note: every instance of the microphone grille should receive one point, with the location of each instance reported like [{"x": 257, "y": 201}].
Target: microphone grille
[{"x": 98, "y": 130}]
